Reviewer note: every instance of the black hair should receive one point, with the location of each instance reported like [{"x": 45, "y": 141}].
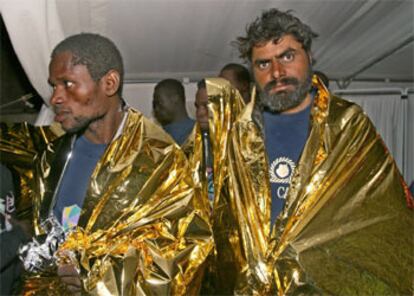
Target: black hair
[
  {"x": 96, "y": 52},
  {"x": 240, "y": 72},
  {"x": 201, "y": 84},
  {"x": 171, "y": 87},
  {"x": 271, "y": 26}
]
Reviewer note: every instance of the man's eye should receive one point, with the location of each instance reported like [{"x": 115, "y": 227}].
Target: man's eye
[
  {"x": 263, "y": 65},
  {"x": 288, "y": 57},
  {"x": 68, "y": 84}
]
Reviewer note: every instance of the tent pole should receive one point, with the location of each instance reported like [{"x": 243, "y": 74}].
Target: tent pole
[{"x": 344, "y": 83}]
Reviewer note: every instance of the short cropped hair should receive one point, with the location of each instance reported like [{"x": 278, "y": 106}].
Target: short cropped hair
[
  {"x": 171, "y": 87},
  {"x": 201, "y": 84},
  {"x": 96, "y": 52},
  {"x": 240, "y": 72},
  {"x": 271, "y": 26}
]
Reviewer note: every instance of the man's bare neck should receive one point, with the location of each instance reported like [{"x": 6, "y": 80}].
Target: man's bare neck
[{"x": 103, "y": 130}]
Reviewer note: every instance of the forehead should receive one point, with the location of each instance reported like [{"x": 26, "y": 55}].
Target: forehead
[
  {"x": 276, "y": 47},
  {"x": 61, "y": 60},
  {"x": 161, "y": 96},
  {"x": 201, "y": 95},
  {"x": 62, "y": 65}
]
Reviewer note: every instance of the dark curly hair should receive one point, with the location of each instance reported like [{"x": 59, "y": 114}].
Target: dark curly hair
[
  {"x": 272, "y": 25},
  {"x": 97, "y": 53}
]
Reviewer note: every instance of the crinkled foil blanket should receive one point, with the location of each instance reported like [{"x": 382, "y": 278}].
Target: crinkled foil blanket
[
  {"x": 346, "y": 228},
  {"x": 144, "y": 226}
]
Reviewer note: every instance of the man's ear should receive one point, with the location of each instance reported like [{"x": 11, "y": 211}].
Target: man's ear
[{"x": 111, "y": 82}]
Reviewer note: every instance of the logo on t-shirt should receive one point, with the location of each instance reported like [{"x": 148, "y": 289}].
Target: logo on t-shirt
[{"x": 281, "y": 171}]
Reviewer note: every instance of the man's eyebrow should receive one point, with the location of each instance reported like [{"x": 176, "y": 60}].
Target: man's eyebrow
[
  {"x": 288, "y": 50},
  {"x": 280, "y": 55},
  {"x": 261, "y": 60}
]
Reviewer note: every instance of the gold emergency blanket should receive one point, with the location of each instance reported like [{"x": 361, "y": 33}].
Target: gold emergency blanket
[
  {"x": 346, "y": 228},
  {"x": 19, "y": 144},
  {"x": 143, "y": 228}
]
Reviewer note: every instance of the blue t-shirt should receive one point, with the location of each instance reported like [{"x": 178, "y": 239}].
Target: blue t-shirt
[
  {"x": 285, "y": 137},
  {"x": 180, "y": 130},
  {"x": 72, "y": 191}
]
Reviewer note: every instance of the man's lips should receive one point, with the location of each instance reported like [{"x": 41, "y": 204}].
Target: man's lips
[
  {"x": 61, "y": 115},
  {"x": 280, "y": 88},
  {"x": 281, "y": 85}
]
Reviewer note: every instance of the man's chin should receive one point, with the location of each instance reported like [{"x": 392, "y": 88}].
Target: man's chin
[
  {"x": 204, "y": 127},
  {"x": 280, "y": 102},
  {"x": 72, "y": 129}
]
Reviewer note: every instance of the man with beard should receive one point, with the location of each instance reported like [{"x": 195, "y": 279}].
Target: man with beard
[
  {"x": 336, "y": 216},
  {"x": 282, "y": 66},
  {"x": 116, "y": 182}
]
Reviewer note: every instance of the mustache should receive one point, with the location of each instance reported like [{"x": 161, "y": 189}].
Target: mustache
[
  {"x": 282, "y": 81},
  {"x": 58, "y": 109}
]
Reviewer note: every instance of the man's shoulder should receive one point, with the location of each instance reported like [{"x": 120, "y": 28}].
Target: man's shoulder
[
  {"x": 137, "y": 124},
  {"x": 342, "y": 111},
  {"x": 340, "y": 103}
]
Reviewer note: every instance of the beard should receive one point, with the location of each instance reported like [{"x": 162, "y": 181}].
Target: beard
[
  {"x": 76, "y": 124},
  {"x": 80, "y": 126},
  {"x": 284, "y": 100}
]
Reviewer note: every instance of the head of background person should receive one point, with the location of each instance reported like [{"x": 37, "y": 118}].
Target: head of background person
[
  {"x": 169, "y": 102},
  {"x": 278, "y": 47},
  {"x": 86, "y": 73},
  {"x": 323, "y": 77},
  {"x": 239, "y": 76},
  {"x": 201, "y": 105}
]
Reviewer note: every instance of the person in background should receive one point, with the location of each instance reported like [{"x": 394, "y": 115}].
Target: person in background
[
  {"x": 239, "y": 77},
  {"x": 201, "y": 105},
  {"x": 308, "y": 199},
  {"x": 170, "y": 110},
  {"x": 115, "y": 181}
]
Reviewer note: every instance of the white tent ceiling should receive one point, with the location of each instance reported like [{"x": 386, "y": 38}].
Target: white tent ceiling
[{"x": 191, "y": 38}]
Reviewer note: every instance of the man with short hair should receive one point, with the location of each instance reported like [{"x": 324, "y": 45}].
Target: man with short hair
[
  {"x": 116, "y": 181},
  {"x": 239, "y": 77},
  {"x": 170, "y": 110},
  {"x": 307, "y": 198}
]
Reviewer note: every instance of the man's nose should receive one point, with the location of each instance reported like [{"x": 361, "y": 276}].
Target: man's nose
[
  {"x": 201, "y": 113},
  {"x": 57, "y": 96},
  {"x": 278, "y": 69},
  {"x": 202, "y": 110}
]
